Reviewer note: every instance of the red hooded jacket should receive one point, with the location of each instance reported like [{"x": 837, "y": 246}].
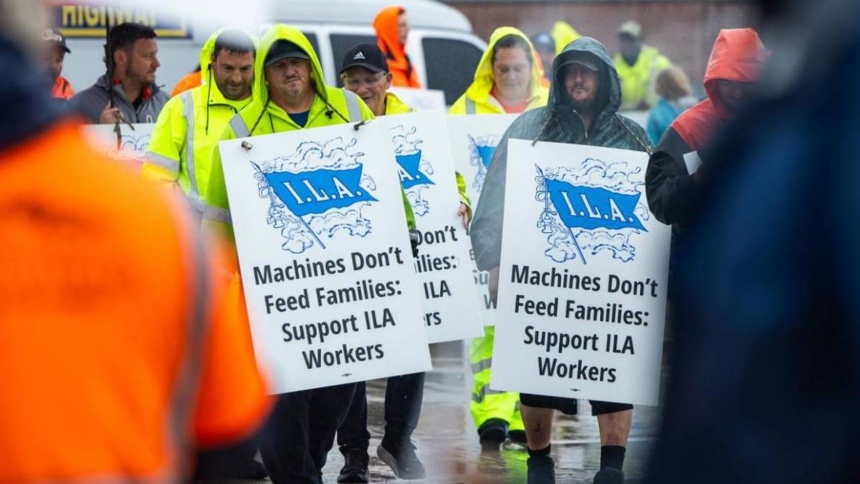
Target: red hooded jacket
[{"x": 737, "y": 56}]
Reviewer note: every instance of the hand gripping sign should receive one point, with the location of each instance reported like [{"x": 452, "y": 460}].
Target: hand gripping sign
[
  {"x": 583, "y": 276},
  {"x": 325, "y": 257},
  {"x": 473, "y": 142},
  {"x": 420, "y": 142}
]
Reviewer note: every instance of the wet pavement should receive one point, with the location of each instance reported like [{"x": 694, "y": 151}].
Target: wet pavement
[{"x": 448, "y": 443}]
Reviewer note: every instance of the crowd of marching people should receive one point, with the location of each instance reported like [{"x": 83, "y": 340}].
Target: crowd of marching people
[{"x": 185, "y": 397}]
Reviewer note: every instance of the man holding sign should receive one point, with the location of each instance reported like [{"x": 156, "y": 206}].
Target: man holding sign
[
  {"x": 290, "y": 96},
  {"x": 584, "y": 97}
]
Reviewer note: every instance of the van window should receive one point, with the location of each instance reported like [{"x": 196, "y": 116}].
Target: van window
[
  {"x": 340, "y": 43},
  {"x": 312, "y": 38},
  {"x": 450, "y": 65}
]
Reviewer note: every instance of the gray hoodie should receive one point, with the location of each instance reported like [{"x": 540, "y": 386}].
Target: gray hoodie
[
  {"x": 92, "y": 101},
  {"x": 556, "y": 122}
]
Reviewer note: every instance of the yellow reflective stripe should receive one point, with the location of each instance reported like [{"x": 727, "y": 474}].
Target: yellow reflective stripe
[
  {"x": 470, "y": 107},
  {"x": 239, "y": 127},
  {"x": 352, "y": 106},
  {"x": 483, "y": 392},
  {"x": 188, "y": 112},
  {"x": 161, "y": 161},
  {"x": 216, "y": 214},
  {"x": 482, "y": 365}
]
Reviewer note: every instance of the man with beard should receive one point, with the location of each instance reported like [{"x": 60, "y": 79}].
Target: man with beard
[
  {"x": 138, "y": 99},
  {"x": 584, "y": 97},
  {"x": 190, "y": 125},
  {"x": 55, "y": 55}
]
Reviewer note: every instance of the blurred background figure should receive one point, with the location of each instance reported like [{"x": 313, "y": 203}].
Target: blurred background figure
[
  {"x": 766, "y": 386},
  {"x": 392, "y": 30},
  {"x": 188, "y": 81},
  {"x": 544, "y": 45},
  {"x": 562, "y": 33},
  {"x": 675, "y": 97},
  {"x": 637, "y": 65},
  {"x": 118, "y": 358},
  {"x": 54, "y": 55}
]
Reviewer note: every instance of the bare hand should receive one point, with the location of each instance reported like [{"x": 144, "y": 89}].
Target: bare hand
[
  {"x": 494, "y": 285},
  {"x": 110, "y": 115},
  {"x": 465, "y": 215}
]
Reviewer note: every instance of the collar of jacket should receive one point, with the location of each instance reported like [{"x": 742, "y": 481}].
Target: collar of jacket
[{"x": 26, "y": 107}]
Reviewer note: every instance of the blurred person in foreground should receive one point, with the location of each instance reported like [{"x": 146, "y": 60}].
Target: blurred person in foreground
[
  {"x": 131, "y": 85},
  {"x": 676, "y": 96},
  {"x": 118, "y": 358},
  {"x": 766, "y": 387},
  {"x": 507, "y": 80},
  {"x": 584, "y": 97},
  {"x": 55, "y": 55},
  {"x": 638, "y": 65},
  {"x": 392, "y": 31}
]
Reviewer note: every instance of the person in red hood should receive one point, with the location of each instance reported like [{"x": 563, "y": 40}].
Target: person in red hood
[
  {"x": 733, "y": 67},
  {"x": 392, "y": 28}
]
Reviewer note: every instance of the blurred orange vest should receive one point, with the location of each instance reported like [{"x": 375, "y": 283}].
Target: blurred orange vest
[{"x": 117, "y": 358}]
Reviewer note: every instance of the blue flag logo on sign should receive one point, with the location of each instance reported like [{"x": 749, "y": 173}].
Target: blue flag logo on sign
[
  {"x": 486, "y": 154},
  {"x": 315, "y": 192},
  {"x": 410, "y": 171},
  {"x": 592, "y": 208}
]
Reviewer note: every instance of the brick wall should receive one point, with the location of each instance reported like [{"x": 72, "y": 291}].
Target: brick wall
[{"x": 684, "y": 31}]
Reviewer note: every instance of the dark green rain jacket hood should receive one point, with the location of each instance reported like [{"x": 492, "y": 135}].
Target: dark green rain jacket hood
[{"x": 557, "y": 122}]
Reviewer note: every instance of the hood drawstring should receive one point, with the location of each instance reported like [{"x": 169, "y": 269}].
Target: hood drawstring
[
  {"x": 646, "y": 146},
  {"x": 260, "y": 117},
  {"x": 208, "y": 99}
]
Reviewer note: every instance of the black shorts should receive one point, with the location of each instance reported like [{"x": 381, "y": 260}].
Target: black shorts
[{"x": 567, "y": 406}]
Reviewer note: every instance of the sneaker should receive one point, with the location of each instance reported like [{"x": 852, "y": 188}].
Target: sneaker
[
  {"x": 492, "y": 433},
  {"x": 541, "y": 470},
  {"x": 403, "y": 461},
  {"x": 517, "y": 436},
  {"x": 354, "y": 467},
  {"x": 609, "y": 475}
]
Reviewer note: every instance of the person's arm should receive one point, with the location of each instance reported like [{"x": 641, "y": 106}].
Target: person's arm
[
  {"x": 465, "y": 210},
  {"x": 668, "y": 186},
  {"x": 163, "y": 159},
  {"x": 486, "y": 229}
]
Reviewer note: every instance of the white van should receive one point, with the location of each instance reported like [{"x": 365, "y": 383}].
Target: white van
[{"x": 441, "y": 44}]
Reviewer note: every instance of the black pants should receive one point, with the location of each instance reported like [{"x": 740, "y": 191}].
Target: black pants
[
  {"x": 403, "y": 397},
  {"x": 300, "y": 432}
]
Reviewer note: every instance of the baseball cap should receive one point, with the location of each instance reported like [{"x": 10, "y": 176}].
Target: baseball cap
[
  {"x": 368, "y": 56},
  {"x": 582, "y": 59},
  {"x": 631, "y": 28},
  {"x": 55, "y": 37},
  {"x": 284, "y": 49}
]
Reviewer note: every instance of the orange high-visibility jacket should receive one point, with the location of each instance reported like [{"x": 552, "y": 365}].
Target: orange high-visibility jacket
[{"x": 116, "y": 356}]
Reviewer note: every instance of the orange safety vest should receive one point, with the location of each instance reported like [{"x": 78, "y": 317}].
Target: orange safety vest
[
  {"x": 116, "y": 354},
  {"x": 62, "y": 89},
  {"x": 188, "y": 81}
]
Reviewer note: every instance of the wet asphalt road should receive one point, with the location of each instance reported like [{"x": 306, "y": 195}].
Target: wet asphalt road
[{"x": 448, "y": 443}]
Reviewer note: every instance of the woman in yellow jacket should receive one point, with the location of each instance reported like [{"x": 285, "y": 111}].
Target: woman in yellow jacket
[{"x": 507, "y": 80}]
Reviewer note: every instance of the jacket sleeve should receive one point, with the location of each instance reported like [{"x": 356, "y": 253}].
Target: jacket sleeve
[
  {"x": 217, "y": 224},
  {"x": 89, "y": 103},
  {"x": 461, "y": 189},
  {"x": 486, "y": 228},
  {"x": 670, "y": 189},
  {"x": 163, "y": 158}
]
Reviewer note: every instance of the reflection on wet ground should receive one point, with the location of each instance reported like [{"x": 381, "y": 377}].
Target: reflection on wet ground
[{"x": 448, "y": 443}]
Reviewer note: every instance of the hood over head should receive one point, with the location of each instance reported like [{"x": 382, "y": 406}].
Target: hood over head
[
  {"x": 290, "y": 34},
  {"x": 737, "y": 55},
  {"x": 484, "y": 79},
  {"x": 385, "y": 24},
  {"x": 592, "y": 52},
  {"x": 209, "y": 49}
]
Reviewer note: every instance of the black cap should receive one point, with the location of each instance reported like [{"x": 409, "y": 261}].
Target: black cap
[
  {"x": 583, "y": 59},
  {"x": 365, "y": 55},
  {"x": 55, "y": 37},
  {"x": 283, "y": 49}
]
